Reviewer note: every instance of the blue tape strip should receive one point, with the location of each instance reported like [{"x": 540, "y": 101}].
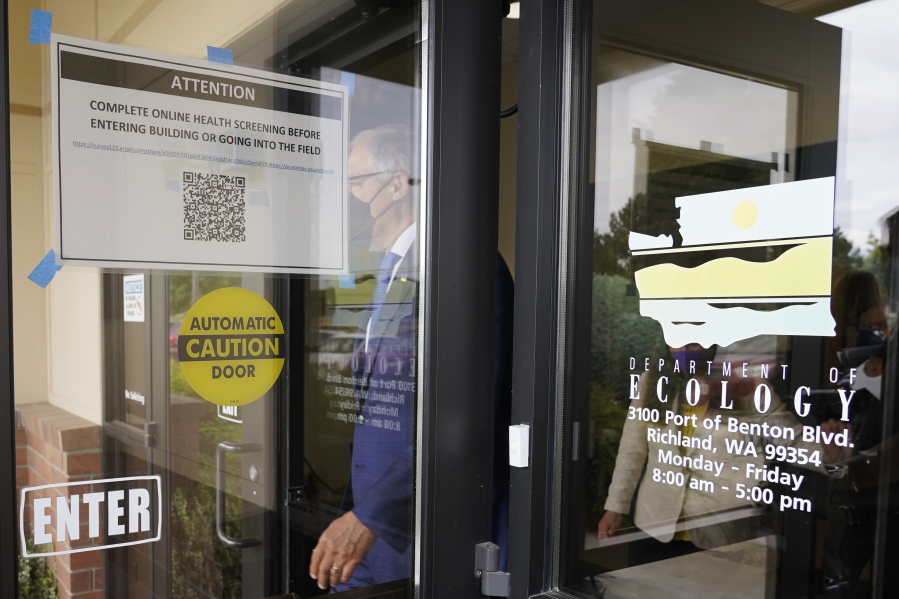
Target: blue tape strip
[
  {"x": 222, "y": 55},
  {"x": 349, "y": 80},
  {"x": 46, "y": 269},
  {"x": 41, "y": 22},
  {"x": 347, "y": 281}
]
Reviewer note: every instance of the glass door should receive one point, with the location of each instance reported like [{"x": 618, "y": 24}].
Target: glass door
[
  {"x": 715, "y": 412},
  {"x": 232, "y": 194}
]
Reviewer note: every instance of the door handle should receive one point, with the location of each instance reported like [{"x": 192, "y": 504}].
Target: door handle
[{"x": 220, "y": 451}]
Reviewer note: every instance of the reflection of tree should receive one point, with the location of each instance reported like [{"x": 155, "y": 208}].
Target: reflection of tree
[
  {"x": 618, "y": 333},
  {"x": 36, "y": 579},
  {"x": 846, "y": 257},
  {"x": 186, "y": 288},
  {"x": 877, "y": 261},
  {"x": 203, "y": 567},
  {"x": 610, "y": 250}
]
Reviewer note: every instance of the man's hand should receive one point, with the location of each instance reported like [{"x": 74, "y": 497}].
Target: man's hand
[
  {"x": 343, "y": 545},
  {"x": 610, "y": 523}
]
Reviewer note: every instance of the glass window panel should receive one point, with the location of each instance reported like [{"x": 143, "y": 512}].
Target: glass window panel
[
  {"x": 138, "y": 481},
  {"x": 742, "y": 343}
]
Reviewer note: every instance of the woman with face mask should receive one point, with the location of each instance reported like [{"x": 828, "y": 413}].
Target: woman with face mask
[{"x": 857, "y": 350}]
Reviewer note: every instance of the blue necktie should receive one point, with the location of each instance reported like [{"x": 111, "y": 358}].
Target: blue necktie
[{"x": 385, "y": 272}]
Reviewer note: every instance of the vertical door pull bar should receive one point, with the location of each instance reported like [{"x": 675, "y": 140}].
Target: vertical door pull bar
[{"x": 220, "y": 451}]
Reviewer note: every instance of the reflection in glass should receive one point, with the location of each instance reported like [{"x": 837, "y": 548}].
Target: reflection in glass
[
  {"x": 247, "y": 490},
  {"x": 752, "y": 466}
]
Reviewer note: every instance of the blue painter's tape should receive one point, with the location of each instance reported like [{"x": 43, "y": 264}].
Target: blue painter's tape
[
  {"x": 349, "y": 80},
  {"x": 347, "y": 281},
  {"x": 46, "y": 269},
  {"x": 222, "y": 55},
  {"x": 41, "y": 22}
]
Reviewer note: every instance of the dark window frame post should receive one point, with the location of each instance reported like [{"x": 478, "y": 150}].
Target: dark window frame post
[
  {"x": 8, "y": 516},
  {"x": 459, "y": 324}
]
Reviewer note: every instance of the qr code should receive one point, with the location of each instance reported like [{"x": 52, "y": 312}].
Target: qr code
[{"x": 214, "y": 207}]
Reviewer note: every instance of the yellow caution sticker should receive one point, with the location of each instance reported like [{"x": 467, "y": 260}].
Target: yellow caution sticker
[{"x": 231, "y": 346}]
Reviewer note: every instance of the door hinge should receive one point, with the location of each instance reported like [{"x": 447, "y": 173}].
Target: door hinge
[{"x": 494, "y": 583}]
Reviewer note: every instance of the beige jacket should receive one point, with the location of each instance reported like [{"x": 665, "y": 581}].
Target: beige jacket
[{"x": 659, "y": 505}]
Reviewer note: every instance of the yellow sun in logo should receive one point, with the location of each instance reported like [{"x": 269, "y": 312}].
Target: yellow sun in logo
[{"x": 745, "y": 214}]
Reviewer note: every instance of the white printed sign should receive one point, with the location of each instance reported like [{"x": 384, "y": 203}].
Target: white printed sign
[
  {"x": 118, "y": 512},
  {"x": 230, "y": 413},
  {"x": 169, "y": 162},
  {"x": 134, "y": 298}
]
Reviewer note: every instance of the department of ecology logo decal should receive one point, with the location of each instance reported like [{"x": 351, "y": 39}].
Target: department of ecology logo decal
[
  {"x": 753, "y": 261},
  {"x": 231, "y": 346}
]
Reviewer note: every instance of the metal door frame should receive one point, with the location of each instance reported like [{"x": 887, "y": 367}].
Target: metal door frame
[
  {"x": 455, "y": 428},
  {"x": 554, "y": 109},
  {"x": 8, "y": 517},
  {"x": 456, "y": 333}
]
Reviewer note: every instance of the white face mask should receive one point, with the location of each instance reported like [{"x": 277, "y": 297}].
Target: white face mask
[{"x": 871, "y": 383}]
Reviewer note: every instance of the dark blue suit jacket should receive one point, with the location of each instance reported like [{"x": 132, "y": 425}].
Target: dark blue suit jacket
[
  {"x": 381, "y": 481},
  {"x": 380, "y": 492}
]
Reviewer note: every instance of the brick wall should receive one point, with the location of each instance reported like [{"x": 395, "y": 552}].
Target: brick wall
[{"x": 54, "y": 446}]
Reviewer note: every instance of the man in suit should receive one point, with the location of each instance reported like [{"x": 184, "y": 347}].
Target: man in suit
[{"x": 371, "y": 542}]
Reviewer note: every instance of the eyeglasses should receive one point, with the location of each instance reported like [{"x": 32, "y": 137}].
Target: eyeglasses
[
  {"x": 358, "y": 179},
  {"x": 365, "y": 176}
]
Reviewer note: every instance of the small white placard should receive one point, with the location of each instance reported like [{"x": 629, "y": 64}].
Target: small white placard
[
  {"x": 230, "y": 413},
  {"x": 519, "y": 445},
  {"x": 134, "y": 298}
]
